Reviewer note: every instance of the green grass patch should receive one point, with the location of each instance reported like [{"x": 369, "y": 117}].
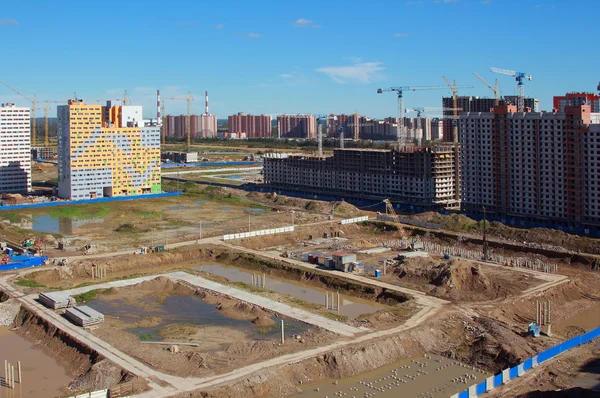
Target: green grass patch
[
  {"x": 79, "y": 212},
  {"x": 146, "y": 337},
  {"x": 311, "y": 205},
  {"x": 28, "y": 283},
  {"x": 92, "y": 294}
]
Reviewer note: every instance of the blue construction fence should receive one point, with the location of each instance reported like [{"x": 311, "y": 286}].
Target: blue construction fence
[
  {"x": 514, "y": 372},
  {"x": 89, "y": 201}
]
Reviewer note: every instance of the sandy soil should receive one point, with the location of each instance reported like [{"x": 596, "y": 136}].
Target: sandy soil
[{"x": 459, "y": 280}]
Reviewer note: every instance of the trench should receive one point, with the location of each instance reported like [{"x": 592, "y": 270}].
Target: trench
[
  {"x": 351, "y": 307},
  {"x": 312, "y": 278}
]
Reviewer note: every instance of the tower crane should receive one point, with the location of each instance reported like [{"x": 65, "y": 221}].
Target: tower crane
[
  {"x": 34, "y": 103},
  {"x": 320, "y": 119},
  {"x": 400, "y": 91},
  {"x": 46, "y": 109},
  {"x": 520, "y": 77},
  {"x": 494, "y": 88},
  {"x": 454, "y": 88},
  {"x": 422, "y": 110},
  {"x": 189, "y": 100}
]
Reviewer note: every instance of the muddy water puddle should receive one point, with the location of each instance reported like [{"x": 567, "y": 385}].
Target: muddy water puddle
[
  {"x": 43, "y": 376},
  {"x": 190, "y": 310},
  {"x": 351, "y": 307},
  {"x": 430, "y": 377}
]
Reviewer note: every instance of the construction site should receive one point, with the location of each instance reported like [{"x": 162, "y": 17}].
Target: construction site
[{"x": 341, "y": 300}]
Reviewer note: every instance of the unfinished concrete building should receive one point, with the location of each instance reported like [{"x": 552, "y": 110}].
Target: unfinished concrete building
[{"x": 419, "y": 178}]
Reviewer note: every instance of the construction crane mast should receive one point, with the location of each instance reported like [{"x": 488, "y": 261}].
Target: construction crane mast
[
  {"x": 520, "y": 77},
  {"x": 422, "y": 110},
  {"x": 46, "y": 109},
  {"x": 189, "y": 100},
  {"x": 400, "y": 91},
  {"x": 320, "y": 119},
  {"x": 454, "y": 88},
  {"x": 125, "y": 98},
  {"x": 34, "y": 103},
  {"x": 494, "y": 88}
]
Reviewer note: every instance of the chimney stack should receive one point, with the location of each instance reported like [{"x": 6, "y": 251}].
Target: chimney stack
[
  {"x": 206, "y": 102},
  {"x": 158, "y": 115}
]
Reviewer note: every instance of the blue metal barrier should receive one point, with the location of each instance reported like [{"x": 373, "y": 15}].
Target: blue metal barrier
[
  {"x": 88, "y": 201},
  {"x": 541, "y": 357},
  {"x": 481, "y": 388}
]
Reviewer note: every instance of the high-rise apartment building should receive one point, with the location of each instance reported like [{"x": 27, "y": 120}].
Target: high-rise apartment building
[
  {"x": 533, "y": 167},
  {"x": 423, "y": 178},
  {"x": 253, "y": 126},
  {"x": 106, "y": 151},
  {"x": 296, "y": 126},
  {"x": 476, "y": 104},
  {"x": 437, "y": 129},
  {"x": 201, "y": 126},
  {"x": 570, "y": 99},
  {"x": 15, "y": 149}
]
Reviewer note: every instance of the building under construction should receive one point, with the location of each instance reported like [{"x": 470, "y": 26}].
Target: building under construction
[{"x": 418, "y": 177}]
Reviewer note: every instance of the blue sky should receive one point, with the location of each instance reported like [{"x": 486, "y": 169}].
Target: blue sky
[{"x": 293, "y": 56}]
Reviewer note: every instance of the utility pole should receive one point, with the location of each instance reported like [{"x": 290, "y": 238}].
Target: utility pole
[
  {"x": 200, "y": 229},
  {"x": 248, "y": 222},
  {"x": 293, "y": 212},
  {"x": 485, "y": 244}
]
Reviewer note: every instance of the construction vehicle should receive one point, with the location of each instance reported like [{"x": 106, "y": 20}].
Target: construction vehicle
[{"x": 520, "y": 77}]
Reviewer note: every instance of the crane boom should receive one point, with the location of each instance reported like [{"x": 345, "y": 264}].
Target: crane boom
[
  {"x": 400, "y": 90},
  {"x": 34, "y": 103},
  {"x": 494, "y": 89},
  {"x": 520, "y": 77},
  {"x": 189, "y": 100}
]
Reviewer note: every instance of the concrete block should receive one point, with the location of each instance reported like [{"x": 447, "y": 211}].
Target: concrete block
[
  {"x": 473, "y": 391},
  {"x": 505, "y": 376},
  {"x": 534, "y": 361},
  {"x": 520, "y": 370},
  {"x": 489, "y": 384},
  {"x": 454, "y": 396}
]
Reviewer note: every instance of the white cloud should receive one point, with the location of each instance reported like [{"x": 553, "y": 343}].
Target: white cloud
[
  {"x": 365, "y": 72},
  {"x": 286, "y": 75},
  {"x": 305, "y": 23},
  {"x": 400, "y": 34},
  {"x": 8, "y": 22},
  {"x": 354, "y": 60},
  {"x": 219, "y": 26},
  {"x": 302, "y": 22},
  {"x": 252, "y": 35}
]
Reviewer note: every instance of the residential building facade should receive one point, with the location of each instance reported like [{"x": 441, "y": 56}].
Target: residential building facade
[
  {"x": 560, "y": 102},
  {"x": 532, "y": 167},
  {"x": 297, "y": 126},
  {"x": 15, "y": 149},
  {"x": 106, "y": 151},
  {"x": 420, "y": 178},
  {"x": 252, "y": 126}
]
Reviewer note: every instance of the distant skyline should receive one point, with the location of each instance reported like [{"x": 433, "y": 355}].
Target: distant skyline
[{"x": 306, "y": 56}]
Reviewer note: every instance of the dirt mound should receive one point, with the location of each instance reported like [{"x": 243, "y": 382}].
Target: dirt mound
[
  {"x": 236, "y": 310},
  {"x": 454, "y": 279},
  {"x": 263, "y": 321},
  {"x": 163, "y": 286}
]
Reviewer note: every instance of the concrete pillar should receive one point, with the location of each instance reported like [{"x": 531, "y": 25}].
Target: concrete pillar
[
  {"x": 338, "y": 301},
  {"x": 327, "y": 300},
  {"x": 19, "y": 370},
  {"x": 253, "y": 284},
  {"x": 534, "y": 361},
  {"x": 520, "y": 370},
  {"x": 282, "y": 332},
  {"x": 263, "y": 281}
]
